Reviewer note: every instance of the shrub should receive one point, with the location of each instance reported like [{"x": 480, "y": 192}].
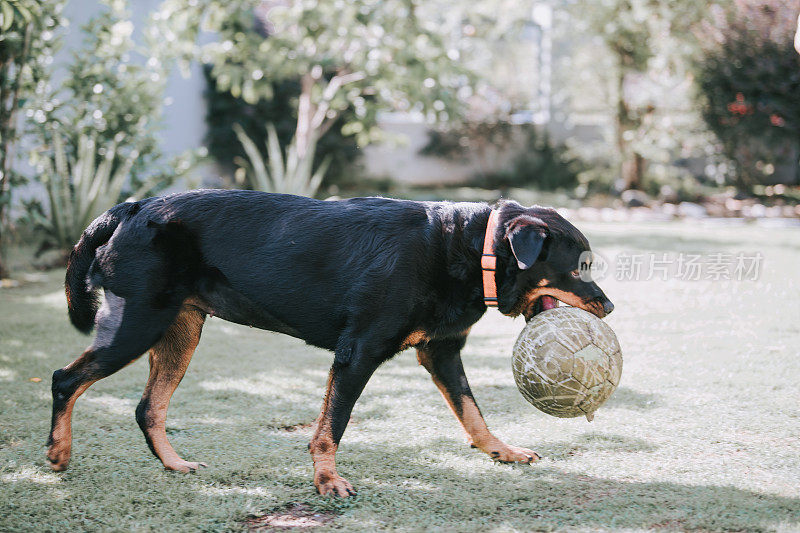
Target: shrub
[
  {"x": 95, "y": 139},
  {"x": 538, "y": 162},
  {"x": 749, "y": 82},
  {"x": 79, "y": 186},
  {"x": 112, "y": 90},
  {"x": 543, "y": 164},
  {"x": 289, "y": 173}
]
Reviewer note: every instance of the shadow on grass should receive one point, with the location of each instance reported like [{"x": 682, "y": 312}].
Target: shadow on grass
[
  {"x": 545, "y": 497},
  {"x": 594, "y": 442},
  {"x": 431, "y": 485},
  {"x": 631, "y": 399}
]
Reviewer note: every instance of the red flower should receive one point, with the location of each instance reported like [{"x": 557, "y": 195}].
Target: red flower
[
  {"x": 740, "y": 107},
  {"x": 776, "y": 120}
]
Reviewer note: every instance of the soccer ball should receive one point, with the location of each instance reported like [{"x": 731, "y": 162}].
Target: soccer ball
[{"x": 567, "y": 362}]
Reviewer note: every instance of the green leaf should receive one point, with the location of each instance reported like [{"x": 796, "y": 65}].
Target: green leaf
[
  {"x": 259, "y": 173},
  {"x": 25, "y": 13},
  {"x": 7, "y": 11}
]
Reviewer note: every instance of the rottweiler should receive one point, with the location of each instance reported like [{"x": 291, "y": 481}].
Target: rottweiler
[{"x": 364, "y": 278}]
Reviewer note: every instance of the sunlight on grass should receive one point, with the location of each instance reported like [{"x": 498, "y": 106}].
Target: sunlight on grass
[
  {"x": 55, "y": 300},
  {"x": 227, "y": 491},
  {"x": 110, "y": 404},
  {"x": 32, "y": 475}
]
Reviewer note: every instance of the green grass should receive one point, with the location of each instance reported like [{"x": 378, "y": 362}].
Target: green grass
[{"x": 701, "y": 434}]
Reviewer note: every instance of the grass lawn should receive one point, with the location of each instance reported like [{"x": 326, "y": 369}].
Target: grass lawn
[{"x": 703, "y": 432}]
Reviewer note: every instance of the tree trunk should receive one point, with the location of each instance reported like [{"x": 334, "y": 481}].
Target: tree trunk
[
  {"x": 4, "y": 272},
  {"x": 632, "y": 171},
  {"x": 621, "y": 119},
  {"x": 631, "y": 162},
  {"x": 5, "y": 145}
]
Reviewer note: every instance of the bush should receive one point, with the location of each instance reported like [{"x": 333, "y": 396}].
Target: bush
[
  {"x": 538, "y": 162},
  {"x": 113, "y": 91},
  {"x": 79, "y": 188},
  {"x": 288, "y": 173},
  {"x": 543, "y": 164},
  {"x": 749, "y": 82}
]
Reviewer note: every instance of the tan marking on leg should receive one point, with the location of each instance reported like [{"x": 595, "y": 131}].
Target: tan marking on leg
[
  {"x": 323, "y": 452},
  {"x": 60, "y": 449},
  {"x": 169, "y": 359},
  {"x": 424, "y": 359},
  {"x": 60, "y": 441},
  {"x": 471, "y": 420},
  {"x": 473, "y": 423},
  {"x": 414, "y": 338}
]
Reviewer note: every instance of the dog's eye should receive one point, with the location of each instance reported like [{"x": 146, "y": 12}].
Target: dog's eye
[{"x": 576, "y": 273}]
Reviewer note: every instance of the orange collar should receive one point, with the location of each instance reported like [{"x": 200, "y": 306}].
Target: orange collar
[{"x": 489, "y": 261}]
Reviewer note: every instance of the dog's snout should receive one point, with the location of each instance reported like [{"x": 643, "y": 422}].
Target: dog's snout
[{"x": 608, "y": 306}]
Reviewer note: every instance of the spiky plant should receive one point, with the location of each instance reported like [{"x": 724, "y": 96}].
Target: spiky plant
[{"x": 293, "y": 173}]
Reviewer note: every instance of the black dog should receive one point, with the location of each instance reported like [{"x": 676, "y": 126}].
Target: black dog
[{"x": 364, "y": 278}]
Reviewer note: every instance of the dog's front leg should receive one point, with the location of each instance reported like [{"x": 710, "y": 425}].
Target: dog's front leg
[
  {"x": 345, "y": 383},
  {"x": 443, "y": 360}
]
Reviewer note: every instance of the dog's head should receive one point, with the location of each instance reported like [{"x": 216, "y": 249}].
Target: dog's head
[{"x": 544, "y": 258}]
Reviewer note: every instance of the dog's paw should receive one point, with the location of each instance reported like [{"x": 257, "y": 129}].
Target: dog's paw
[
  {"x": 183, "y": 466},
  {"x": 514, "y": 454},
  {"x": 58, "y": 457},
  {"x": 332, "y": 484}
]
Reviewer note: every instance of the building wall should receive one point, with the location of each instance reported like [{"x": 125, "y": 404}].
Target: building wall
[{"x": 401, "y": 161}]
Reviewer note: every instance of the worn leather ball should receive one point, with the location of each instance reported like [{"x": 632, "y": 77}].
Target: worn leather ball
[{"x": 567, "y": 362}]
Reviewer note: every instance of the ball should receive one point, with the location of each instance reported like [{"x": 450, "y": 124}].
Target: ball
[{"x": 567, "y": 362}]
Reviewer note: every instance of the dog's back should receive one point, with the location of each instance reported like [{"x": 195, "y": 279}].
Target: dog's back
[{"x": 291, "y": 264}]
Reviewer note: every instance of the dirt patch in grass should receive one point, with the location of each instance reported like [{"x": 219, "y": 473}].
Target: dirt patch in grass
[
  {"x": 290, "y": 517},
  {"x": 296, "y": 427},
  {"x": 672, "y": 525},
  {"x": 289, "y": 428}
]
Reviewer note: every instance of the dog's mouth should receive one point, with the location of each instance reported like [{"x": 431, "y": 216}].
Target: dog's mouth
[
  {"x": 546, "y": 301},
  {"x": 542, "y": 303}
]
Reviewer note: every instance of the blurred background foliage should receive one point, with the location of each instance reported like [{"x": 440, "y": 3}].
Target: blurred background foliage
[
  {"x": 748, "y": 79},
  {"x": 614, "y": 102},
  {"x": 27, "y": 44},
  {"x": 224, "y": 109}
]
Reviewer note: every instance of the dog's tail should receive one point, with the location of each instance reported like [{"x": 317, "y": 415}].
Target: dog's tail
[{"x": 82, "y": 300}]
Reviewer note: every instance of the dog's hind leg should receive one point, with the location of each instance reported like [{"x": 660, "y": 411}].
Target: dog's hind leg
[
  {"x": 125, "y": 330},
  {"x": 169, "y": 359}
]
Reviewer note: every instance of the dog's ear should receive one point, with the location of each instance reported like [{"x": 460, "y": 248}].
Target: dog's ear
[{"x": 526, "y": 236}]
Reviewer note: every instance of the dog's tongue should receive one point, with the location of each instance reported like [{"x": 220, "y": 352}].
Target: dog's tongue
[{"x": 548, "y": 302}]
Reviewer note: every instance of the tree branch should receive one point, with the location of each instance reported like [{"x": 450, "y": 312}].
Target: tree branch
[
  {"x": 305, "y": 114},
  {"x": 335, "y": 83},
  {"x": 326, "y": 125}
]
